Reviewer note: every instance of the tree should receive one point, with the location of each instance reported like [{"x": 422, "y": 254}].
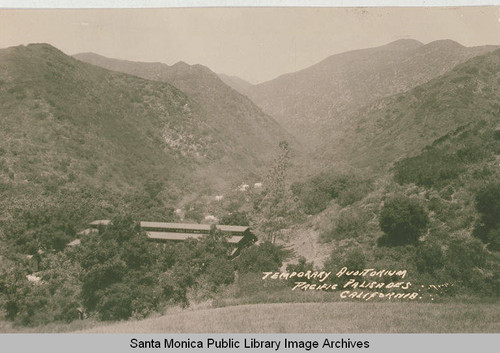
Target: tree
[
  {"x": 263, "y": 257},
  {"x": 466, "y": 262},
  {"x": 235, "y": 218},
  {"x": 276, "y": 207},
  {"x": 403, "y": 220},
  {"x": 277, "y": 181},
  {"x": 115, "y": 303},
  {"x": 352, "y": 258},
  {"x": 50, "y": 295},
  {"x": 119, "y": 271},
  {"x": 429, "y": 257},
  {"x": 488, "y": 206}
]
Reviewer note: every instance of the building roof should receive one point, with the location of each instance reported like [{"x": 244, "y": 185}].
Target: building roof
[
  {"x": 74, "y": 242},
  {"x": 232, "y": 228},
  {"x": 183, "y": 236},
  {"x": 186, "y": 226},
  {"x": 101, "y": 222},
  {"x": 172, "y": 235},
  {"x": 192, "y": 226},
  {"x": 174, "y": 231},
  {"x": 235, "y": 239},
  {"x": 87, "y": 231}
]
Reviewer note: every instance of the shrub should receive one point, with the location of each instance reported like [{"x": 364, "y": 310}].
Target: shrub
[
  {"x": 263, "y": 257},
  {"x": 429, "y": 258},
  {"x": 488, "y": 206},
  {"x": 220, "y": 271},
  {"x": 313, "y": 200},
  {"x": 235, "y": 218},
  {"x": 446, "y": 193},
  {"x": 350, "y": 224},
  {"x": 403, "y": 220},
  {"x": 316, "y": 193},
  {"x": 54, "y": 298},
  {"x": 353, "y": 259},
  {"x": 194, "y": 215},
  {"x": 467, "y": 263},
  {"x": 301, "y": 266},
  {"x": 115, "y": 302},
  {"x": 98, "y": 278}
]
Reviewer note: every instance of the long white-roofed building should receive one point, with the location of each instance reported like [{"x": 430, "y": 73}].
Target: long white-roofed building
[{"x": 238, "y": 237}]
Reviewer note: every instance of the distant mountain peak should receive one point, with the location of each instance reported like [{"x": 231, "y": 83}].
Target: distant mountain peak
[
  {"x": 237, "y": 83},
  {"x": 88, "y": 54},
  {"x": 218, "y": 103},
  {"x": 445, "y": 43},
  {"x": 38, "y": 47},
  {"x": 314, "y": 103},
  {"x": 153, "y": 119},
  {"x": 404, "y": 44},
  {"x": 181, "y": 65}
]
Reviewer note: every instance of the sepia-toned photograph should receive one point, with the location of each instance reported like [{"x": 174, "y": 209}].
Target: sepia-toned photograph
[{"x": 250, "y": 170}]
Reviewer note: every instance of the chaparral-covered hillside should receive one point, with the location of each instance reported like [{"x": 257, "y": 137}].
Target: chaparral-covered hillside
[{"x": 386, "y": 168}]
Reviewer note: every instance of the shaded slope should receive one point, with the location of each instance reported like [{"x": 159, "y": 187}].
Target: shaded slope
[
  {"x": 403, "y": 124},
  {"x": 68, "y": 125},
  {"x": 238, "y": 84},
  {"x": 56, "y": 110},
  {"x": 245, "y": 124},
  {"x": 313, "y": 103}
]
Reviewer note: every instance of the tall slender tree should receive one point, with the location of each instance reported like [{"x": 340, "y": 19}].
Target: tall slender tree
[{"x": 275, "y": 205}]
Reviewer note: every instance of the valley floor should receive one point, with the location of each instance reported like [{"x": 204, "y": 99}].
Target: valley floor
[{"x": 344, "y": 317}]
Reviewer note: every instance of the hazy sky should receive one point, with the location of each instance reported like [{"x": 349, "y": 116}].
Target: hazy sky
[{"x": 256, "y": 44}]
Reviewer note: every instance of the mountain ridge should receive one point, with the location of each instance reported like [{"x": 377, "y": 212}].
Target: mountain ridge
[
  {"x": 68, "y": 126},
  {"x": 308, "y": 102},
  {"x": 401, "y": 125},
  {"x": 224, "y": 105}
]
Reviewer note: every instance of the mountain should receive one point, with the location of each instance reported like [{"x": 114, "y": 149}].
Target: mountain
[
  {"x": 438, "y": 143},
  {"x": 246, "y": 125},
  {"x": 69, "y": 127},
  {"x": 237, "y": 84},
  {"x": 401, "y": 125},
  {"x": 314, "y": 103}
]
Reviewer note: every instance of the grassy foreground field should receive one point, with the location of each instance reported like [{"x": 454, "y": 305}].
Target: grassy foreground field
[{"x": 344, "y": 317}]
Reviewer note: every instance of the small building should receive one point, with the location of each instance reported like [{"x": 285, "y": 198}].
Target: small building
[
  {"x": 210, "y": 218},
  {"x": 100, "y": 222},
  {"x": 238, "y": 238},
  {"x": 86, "y": 232},
  {"x": 243, "y": 187},
  {"x": 74, "y": 242},
  {"x": 34, "y": 279}
]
